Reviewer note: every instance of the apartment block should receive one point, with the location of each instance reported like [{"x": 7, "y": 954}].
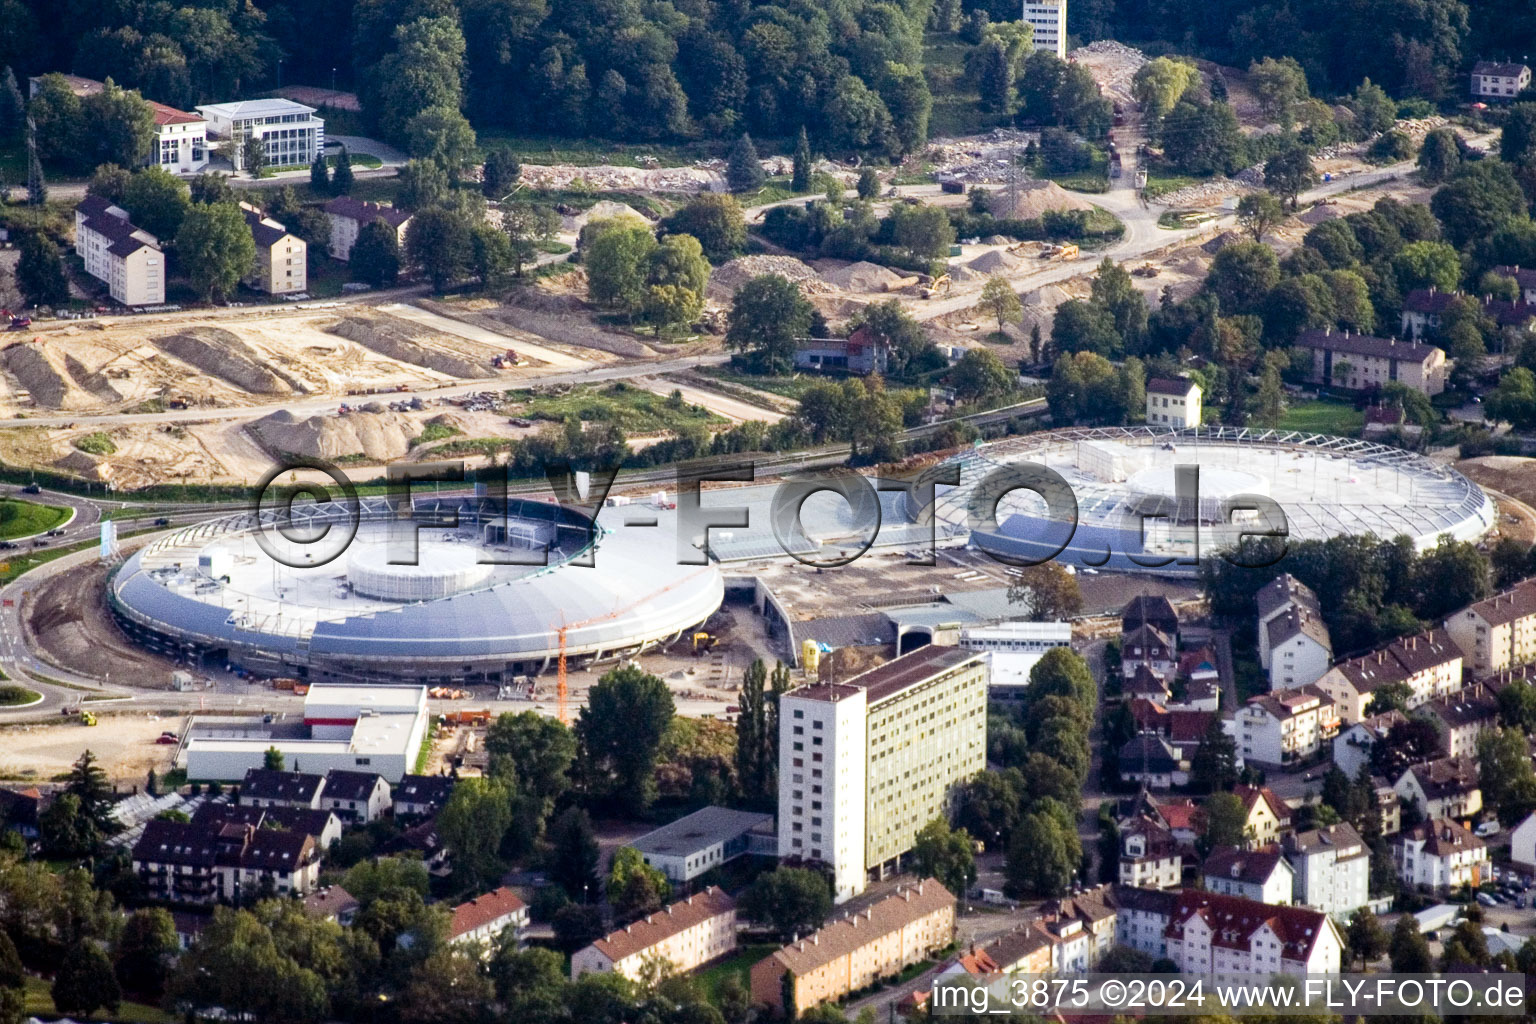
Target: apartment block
[
  {"x": 1173, "y": 402},
  {"x": 858, "y": 949},
  {"x": 1462, "y": 717},
  {"x": 349, "y": 216},
  {"x": 184, "y": 862},
  {"x": 1142, "y": 917},
  {"x": 1048, "y": 20},
  {"x": 685, "y": 935},
  {"x": 127, "y": 259},
  {"x": 1210, "y": 932},
  {"x": 1497, "y": 80},
  {"x": 1261, "y": 875},
  {"x": 1498, "y": 632},
  {"x": 1446, "y": 788},
  {"x": 1439, "y": 854},
  {"x": 290, "y": 133},
  {"x": 282, "y": 258},
  {"x": 1281, "y": 728},
  {"x": 1332, "y": 868},
  {"x": 1428, "y": 663},
  {"x": 864, "y": 764},
  {"x": 1343, "y": 359}
]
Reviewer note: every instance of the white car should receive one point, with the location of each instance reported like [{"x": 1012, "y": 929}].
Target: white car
[{"x": 1486, "y": 829}]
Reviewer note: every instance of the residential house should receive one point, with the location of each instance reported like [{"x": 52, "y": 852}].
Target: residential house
[
  {"x": 1332, "y": 868},
  {"x": 1183, "y": 728},
  {"x": 1173, "y": 402},
  {"x": 1429, "y": 664},
  {"x": 1499, "y": 632},
  {"x": 1268, "y": 815},
  {"x": 685, "y": 934},
  {"x": 1199, "y": 695},
  {"x": 290, "y": 133},
  {"x": 485, "y": 917},
  {"x": 1260, "y": 874},
  {"x": 1358, "y": 361},
  {"x": 349, "y": 216},
  {"x": 863, "y": 352},
  {"x": 1525, "y": 280},
  {"x": 1287, "y": 726},
  {"x": 1282, "y": 594},
  {"x": 1352, "y": 746},
  {"x": 1389, "y": 806},
  {"x": 1146, "y": 645},
  {"x": 1093, "y": 909},
  {"x": 1198, "y": 666},
  {"x": 421, "y": 795},
  {"x": 1146, "y": 686},
  {"x": 332, "y": 903},
  {"x": 1146, "y": 610},
  {"x": 181, "y": 140},
  {"x": 857, "y": 950},
  {"x": 1439, "y": 854},
  {"x": 127, "y": 259},
  {"x": 281, "y": 266},
  {"x": 1142, "y": 917},
  {"x": 1025, "y": 950},
  {"x": 1499, "y": 80},
  {"x": 1424, "y": 309},
  {"x": 19, "y": 809},
  {"x": 1522, "y": 845},
  {"x": 1150, "y": 761},
  {"x": 1462, "y": 717},
  {"x": 1150, "y": 857},
  {"x": 264, "y": 787},
  {"x": 1216, "y": 933},
  {"x": 355, "y": 797},
  {"x": 181, "y": 862},
  {"x": 323, "y": 825},
  {"x": 1300, "y": 649},
  {"x": 1446, "y": 788}
]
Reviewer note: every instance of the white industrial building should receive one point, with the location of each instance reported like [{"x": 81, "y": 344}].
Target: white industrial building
[
  {"x": 704, "y": 840},
  {"x": 379, "y": 729},
  {"x": 290, "y": 132},
  {"x": 1012, "y": 650}
]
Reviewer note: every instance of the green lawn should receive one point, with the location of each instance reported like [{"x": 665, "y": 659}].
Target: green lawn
[
  {"x": 25, "y": 518},
  {"x": 40, "y": 1004},
  {"x": 1323, "y": 418},
  {"x": 738, "y": 963},
  {"x": 11, "y": 696},
  {"x": 635, "y": 410},
  {"x": 366, "y": 160},
  {"x": 793, "y": 386}
]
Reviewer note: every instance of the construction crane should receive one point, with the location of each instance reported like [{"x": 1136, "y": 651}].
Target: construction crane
[{"x": 561, "y": 691}]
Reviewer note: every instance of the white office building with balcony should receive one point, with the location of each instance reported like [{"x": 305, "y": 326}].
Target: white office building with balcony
[{"x": 290, "y": 132}]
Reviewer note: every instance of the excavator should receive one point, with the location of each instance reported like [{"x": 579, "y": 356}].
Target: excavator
[
  {"x": 940, "y": 286},
  {"x": 703, "y": 643}
]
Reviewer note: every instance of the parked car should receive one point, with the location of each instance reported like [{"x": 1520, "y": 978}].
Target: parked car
[
  {"x": 1487, "y": 828},
  {"x": 163, "y": 521},
  {"x": 1486, "y": 900}
]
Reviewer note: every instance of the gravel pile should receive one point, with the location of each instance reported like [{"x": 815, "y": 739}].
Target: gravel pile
[
  {"x": 725, "y": 281},
  {"x": 1033, "y": 199},
  {"x": 979, "y": 158},
  {"x": 609, "y": 178},
  {"x": 1114, "y": 66},
  {"x": 995, "y": 262},
  {"x": 863, "y": 277},
  {"x": 1206, "y": 193}
]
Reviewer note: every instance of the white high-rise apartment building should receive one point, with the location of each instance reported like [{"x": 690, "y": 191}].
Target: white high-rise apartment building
[
  {"x": 1048, "y": 18},
  {"x": 865, "y": 764}
]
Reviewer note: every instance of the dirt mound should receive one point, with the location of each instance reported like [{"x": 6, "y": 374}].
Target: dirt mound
[
  {"x": 1035, "y": 198},
  {"x": 45, "y": 376},
  {"x": 600, "y": 211},
  {"x": 407, "y": 342},
  {"x": 92, "y": 467},
  {"x": 1322, "y": 212},
  {"x": 219, "y": 353},
  {"x": 381, "y": 436},
  {"x": 725, "y": 281},
  {"x": 995, "y": 262},
  {"x": 96, "y": 383},
  {"x": 862, "y": 277},
  {"x": 1221, "y": 241},
  {"x": 1050, "y": 296}
]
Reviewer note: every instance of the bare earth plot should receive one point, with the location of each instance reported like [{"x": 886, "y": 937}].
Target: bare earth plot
[
  {"x": 496, "y": 340},
  {"x": 733, "y": 409},
  {"x": 124, "y": 744}
]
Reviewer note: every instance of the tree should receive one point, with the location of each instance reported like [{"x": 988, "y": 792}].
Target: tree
[
  {"x": 904, "y": 88},
  {"x": 443, "y": 135},
  {"x": 1408, "y": 949},
  {"x": 448, "y": 987},
  {"x": 619, "y": 732},
  {"x": 439, "y": 245},
  {"x": 540, "y": 749},
  {"x": 1374, "y": 110},
  {"x": 110, "y": 182},
  {"x": 1367, "y": 939},
  {"x": 253, "y": 155},
  {"x": 574, "y": 854},
  {"x": 1048, "y": 590},
  {"x": 146, "y": 952},
  {"x": 999, "y": 299},
  {"x": 12, "y": 974},
  {"x": 1161, "y": 82},
  {"x": 675, "y": 275},
  {"x": 634, "y": 887},
  {"x": 868, "y": 186},
  {"x": 995, "y": 76},
  {"x": 1508, "y": 781},
  {"x": 1517, "y": 139},
  {"x": 66, "y": 831},
  {"x": 1112, "y": 290},
  {"x": 1483, "y": 197},
  {"x": 215, "y": 246},
  {"x": 1258, "y": 212},
  {"x": 425, "y": 70},
  {"x": 1427, "y": 265},
  {"x": 1043, "y": 856},
  {"x": 791, "y": 901},
  {"x": 1203, "y": 138},
  {"x": 472, "y": 824},
  {"x": 272, "y": 760},
  {"x": 1214, "y": 766},
  {"x": 800, "y": 178},
  {"x": 768, "y": 316},
  {"x": 1082, "y": 327},
  {"x": 157, "y": 200},
  {"x": 980, "y": 375},
  {"x": 211, "y": 187},
  {"x": 527, "y": 226},
  {"x": 752, "y": 750},
  {"x": 85, "y": 981},
  {"x": 924, "y": 231},
  {"x": 40, "y": 273},
  {"x": 320, "y": 175},
  {"x": 500, "y": 172},
  {"x": 715, "y": 219},
  {"x": 117, "y": 126},
  {"x": 1242, "y": 274},
  {"x": 13, "y": 109},
  {"x": 491, "y": 253},
  {"x": 946, "y": 854},
  {"x": 577, "y": 925},
  {"x": 1439, "y": 156},
  {"x": 422, "y": 184},
  {"x": 1225, "y": 821},
  {"x": 616, "y": 253},
  {"x": 744, "y": 169},
  {"x": 341, "y": 176},
  {"x": 1280, "y": 85},
  {"x": 376, "y": 255},
  {"x": 1062, "y": 672},
  {"x": 1289, "y": 173}
]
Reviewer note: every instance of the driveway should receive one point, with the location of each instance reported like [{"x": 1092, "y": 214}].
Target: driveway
[{"x": 390, "y": 156}]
